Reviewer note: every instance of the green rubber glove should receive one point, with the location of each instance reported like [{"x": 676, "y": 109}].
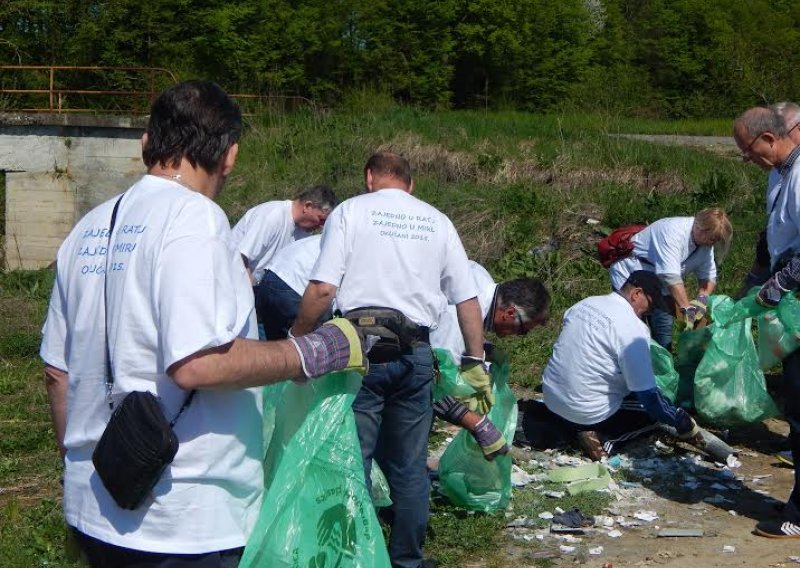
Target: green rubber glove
[{"x": 474, "y": 372}]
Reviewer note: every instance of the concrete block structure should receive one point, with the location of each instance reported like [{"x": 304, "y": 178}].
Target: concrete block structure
[{"x": 57, "y": 167}]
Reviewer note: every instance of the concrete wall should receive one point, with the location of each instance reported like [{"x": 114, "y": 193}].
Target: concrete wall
[{"x": 55, "y": 172}]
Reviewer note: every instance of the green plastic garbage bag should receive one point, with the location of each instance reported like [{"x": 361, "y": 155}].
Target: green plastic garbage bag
[
  {"x": 465, "y": 477},
  {"x": 729, "y": 387},
  {"x": 380, "y": 487},
  {"x": 664, "y": 369},
  {"x": 779, "y": 332},
  {"x": 316, "y": 511},
  {"x": 449, "y": 380}
]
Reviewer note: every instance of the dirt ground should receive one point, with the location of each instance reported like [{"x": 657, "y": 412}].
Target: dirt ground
[{"x": 725, "y": 508}]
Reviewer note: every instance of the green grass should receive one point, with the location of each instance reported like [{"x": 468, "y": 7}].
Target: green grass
[{"x": 512, "y": 183}]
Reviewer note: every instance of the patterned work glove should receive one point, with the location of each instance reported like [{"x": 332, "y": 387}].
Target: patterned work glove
[
  {"x": 474, "y": 372},
  {"x": 696, "y": 311},
  {"x": 771, "y": 292}
]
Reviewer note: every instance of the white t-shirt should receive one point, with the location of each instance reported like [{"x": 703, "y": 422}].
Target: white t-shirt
[
  {"x": 294, "y": 262},
  {"x": 601, "y": 355},
  {"x": 389, "y": 249},
  {"x": 264, "y": 230},
  {"x": 176, "y": 285},
  {"x": 447, "y": 334},
  {"x": 668, "y": 247},
  {"x": 783, "y": 224}
]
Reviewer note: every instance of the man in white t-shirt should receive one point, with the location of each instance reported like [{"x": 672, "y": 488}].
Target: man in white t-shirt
[
  {"x": 387, "y": 258},
  {"x": 167, "y": 294},
  {"x": 267, "y": 228},
  {"x": 600, "y": 379},
  {"x": 513, "y": 307},
  {"x": 283, "y": 284}
]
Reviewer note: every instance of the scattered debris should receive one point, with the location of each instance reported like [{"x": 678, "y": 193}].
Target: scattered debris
[
  {"x": 647, "y": 516},
  {"x": 728, "y": 548},
  {"x": 596, "y": 551},
  {"x": 616, "y": 533}
]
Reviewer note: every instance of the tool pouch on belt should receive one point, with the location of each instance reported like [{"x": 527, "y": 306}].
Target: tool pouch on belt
[{"x": 397, "y": 333}]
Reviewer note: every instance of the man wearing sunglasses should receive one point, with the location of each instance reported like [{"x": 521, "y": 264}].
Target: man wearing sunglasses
[
  {"x": 514, "y": 307},
  {"x": 765, "y": 139},
  {"x": 599, "y": 380},
  {"x": 760, "y": 271}
]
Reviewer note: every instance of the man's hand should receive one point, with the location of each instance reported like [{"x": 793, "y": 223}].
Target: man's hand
[
  {"x": 771, "y": 292},
  {"x": 689, "y": 431},
  {"x": 474, "y": 372},
  {"x": 696, "y": 311}
]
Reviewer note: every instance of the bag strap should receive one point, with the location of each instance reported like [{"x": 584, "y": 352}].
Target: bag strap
[{"x": 109, "y": 382}]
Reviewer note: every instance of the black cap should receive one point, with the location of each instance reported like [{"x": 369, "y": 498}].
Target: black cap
[{"x": 649, "y": 282}]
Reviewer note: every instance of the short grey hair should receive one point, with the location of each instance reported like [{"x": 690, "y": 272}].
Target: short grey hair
[
  {"x": 757, "y": 120},
  {"x": 789, "y": 111}
]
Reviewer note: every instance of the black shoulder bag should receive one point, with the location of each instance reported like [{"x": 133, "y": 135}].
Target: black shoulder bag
[{"x": 138, "y": 442}]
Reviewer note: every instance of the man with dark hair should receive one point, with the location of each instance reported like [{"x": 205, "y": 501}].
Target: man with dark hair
[
  {"x": 765, "y": 139},
  {"x": 267, "y": 228},
  {"x": 164, "y": 300},
  {"x": 387, "y": 258},
  {"x": 513, "y": 307},
  {"x": 600, "y": 379}
]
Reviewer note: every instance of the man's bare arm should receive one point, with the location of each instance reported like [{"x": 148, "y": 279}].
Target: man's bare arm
[
  {"x": 316, "y": 300},
  {"x": 471, "y": 324},
  {"x": 242, "y": 363},
  {"x": 56, "y": 382}
]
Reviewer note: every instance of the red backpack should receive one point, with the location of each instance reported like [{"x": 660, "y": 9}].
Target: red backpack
[{"x": 618, "y": 244}]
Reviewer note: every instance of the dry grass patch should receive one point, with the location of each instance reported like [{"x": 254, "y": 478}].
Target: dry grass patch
[
  {"x": 434, "y": 159},
  {"x": 482, "y": 234}
]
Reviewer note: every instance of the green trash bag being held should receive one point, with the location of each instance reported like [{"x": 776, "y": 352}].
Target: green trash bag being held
[
  {"x": 465, "y": 477},
  {"x": 729, "y": 387},
  {"x": 316, "y": 511}
]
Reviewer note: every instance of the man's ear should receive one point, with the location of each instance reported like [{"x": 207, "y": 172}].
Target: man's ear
[
  {"x": 411, "y": 187},
  {"x": 769, "y": 138},
  {"x": 369, "y": 180},
  {"x": 507, "y": 313},
  {"x": 229, "y": 159}
]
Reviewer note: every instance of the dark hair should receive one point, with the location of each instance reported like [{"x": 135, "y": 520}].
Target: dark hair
[
  {"x": 320, "y": 196},
  {"x": 195, "y": 120},
  {"x": 528, "y": 295},
  {"x": 389, "y": 164}
]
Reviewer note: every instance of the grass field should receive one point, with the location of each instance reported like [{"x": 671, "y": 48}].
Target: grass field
[{"x": 520, "y": 189}]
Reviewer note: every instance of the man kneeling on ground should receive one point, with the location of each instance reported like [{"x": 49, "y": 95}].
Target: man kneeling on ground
[{"x": 600, "y": 379}]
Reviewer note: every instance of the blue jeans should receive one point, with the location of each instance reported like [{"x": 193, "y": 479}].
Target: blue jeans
[
  {"x": 276, "y": 306},
  {"x": 394, "y": 415},
  {"x": 791, "y": 396},
  {"x": 661, "y": 324}
]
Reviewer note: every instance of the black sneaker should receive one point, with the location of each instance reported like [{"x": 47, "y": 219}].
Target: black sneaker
[{"x": 777, "y": 529}]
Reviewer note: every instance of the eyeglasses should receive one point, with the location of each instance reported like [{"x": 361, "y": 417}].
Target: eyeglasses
[
  {"x": 796, "y": 124},
  {"x": 748, "y": 149},
  {"x": 521, "y": 330}
]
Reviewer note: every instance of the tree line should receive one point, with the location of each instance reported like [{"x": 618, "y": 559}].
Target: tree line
[{"x": 668, "y": 58}]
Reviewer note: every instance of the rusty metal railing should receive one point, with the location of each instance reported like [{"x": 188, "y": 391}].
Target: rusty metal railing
[{"x": 57, "y": 94}]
